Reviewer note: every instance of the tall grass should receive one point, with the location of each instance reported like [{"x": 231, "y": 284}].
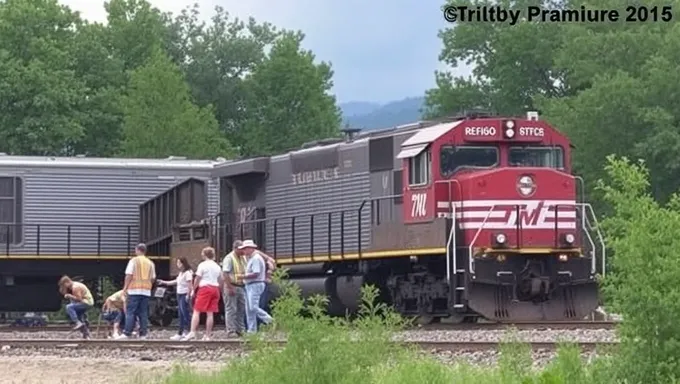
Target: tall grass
[{"x": 325, "y": 350}]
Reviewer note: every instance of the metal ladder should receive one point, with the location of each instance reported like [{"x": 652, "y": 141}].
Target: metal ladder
[{"x": 455, "y": 276}]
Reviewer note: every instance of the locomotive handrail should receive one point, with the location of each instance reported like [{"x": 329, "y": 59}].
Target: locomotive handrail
[
  {"x": 580, "y": 181},
  {"x": 275, "y": 220},
  {"x": 596, "y": 228},
  {"x": 34, "y": 242},
  {"x": 343, "y": 213},
  {"x": 451, "y": 259},
  {"x": 474, "y": 240}
]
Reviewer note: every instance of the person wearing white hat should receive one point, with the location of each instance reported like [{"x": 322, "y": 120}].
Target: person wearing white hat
[{"x": 254, "y": 278}]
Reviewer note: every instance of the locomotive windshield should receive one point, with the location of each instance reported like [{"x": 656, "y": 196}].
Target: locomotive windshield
[
  {"x": 455, "y": 158},
  {"x": 548, "y": 157}
]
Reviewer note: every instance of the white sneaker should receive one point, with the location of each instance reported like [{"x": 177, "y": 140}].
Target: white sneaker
[
  {"x": 122, "y": 336},
  {"x": 205, "y": 338},
  {"x": 176, "y": 337},
  {"x": 189, "y": 336},
  {"x": 143, "y": 337}
]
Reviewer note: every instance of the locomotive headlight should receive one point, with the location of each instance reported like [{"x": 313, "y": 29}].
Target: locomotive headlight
[
  {"x": 509, "y": 131},
  {"x": 568, "y": 239},
  {"x": 563, "y": 258},
  {"x": 501, "y": 239}
]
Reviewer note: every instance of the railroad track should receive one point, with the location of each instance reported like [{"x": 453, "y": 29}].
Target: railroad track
[
  {"x": 241, "y": 345},
  {"x": 582, "y": 324},
  {"x": 441, "y": 326}
]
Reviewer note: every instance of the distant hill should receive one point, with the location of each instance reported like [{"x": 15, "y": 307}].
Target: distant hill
[{"x": 371, "y": 115}]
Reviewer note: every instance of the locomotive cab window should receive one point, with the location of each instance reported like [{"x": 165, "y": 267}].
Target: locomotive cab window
[
  {"x": 10, "y": 210},
  {"x": 545, "y": 157},
  {"x": 453, "y": 159},
  {"x": 419, "y": 168}
]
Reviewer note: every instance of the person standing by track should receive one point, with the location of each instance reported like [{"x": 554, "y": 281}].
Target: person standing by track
[
  {"x": 234, "y": 294},
  {"x": 207, "y": 287},
  {"x": 254, "y": 278},
  {"x": 140, "y": 275},
  {"x": 81, "y": 301},
  {"x": 183, "y": 282}
]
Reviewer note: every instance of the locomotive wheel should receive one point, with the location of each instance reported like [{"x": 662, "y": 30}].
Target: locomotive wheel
[{"x": 167, "y": 318}]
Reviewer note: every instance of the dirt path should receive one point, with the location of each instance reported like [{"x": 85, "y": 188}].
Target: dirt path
[{"x": 47, "y": 370}]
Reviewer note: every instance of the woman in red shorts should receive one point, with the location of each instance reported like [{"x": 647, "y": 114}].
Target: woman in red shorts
[{"x": 207, "y": 287}]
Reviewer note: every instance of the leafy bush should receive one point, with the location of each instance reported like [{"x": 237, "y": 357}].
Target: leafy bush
[{"x": 645, "y": 239}]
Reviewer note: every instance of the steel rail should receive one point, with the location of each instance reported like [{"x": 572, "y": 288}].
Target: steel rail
[
  {"x": 541, "y": 325},
  {"x": 453, "y": 346},
  {"x": 431, "y": 327}
]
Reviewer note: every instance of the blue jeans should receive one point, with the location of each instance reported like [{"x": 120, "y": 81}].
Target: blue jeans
[
  {"x": 115, "y": 317},
  {"x": 253, "y": 311},
  {"x": 263, "y": 301},
  {"x": 77, "y": 312},
  {"x": 137, "y": 307},
  {"x": 184, "y": 313}
]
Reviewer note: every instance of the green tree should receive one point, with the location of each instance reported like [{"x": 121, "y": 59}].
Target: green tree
[
  {"x": 215, "y": 57},
  {"x": 642, "y": 284},
  {"x": 160, "y": 118},
  {"x": 41, "y": 97},
  {"x": 135, "y": 30},
  {"x": 512, "y": 64},
  {"x": 288, "y": 101},
  {"x": 102, "y": 72}
]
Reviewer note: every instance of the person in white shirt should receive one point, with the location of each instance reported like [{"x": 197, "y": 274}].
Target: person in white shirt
[
  {"x": 254, "y": 278},
  {"x": 207, "y": 287},
  {"x": 183, "y": 282}
]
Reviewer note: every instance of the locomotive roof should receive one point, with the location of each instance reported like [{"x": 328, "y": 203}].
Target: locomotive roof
[
  {"x": 171, "y": 163},
  {"x": 428, "y": 135}
]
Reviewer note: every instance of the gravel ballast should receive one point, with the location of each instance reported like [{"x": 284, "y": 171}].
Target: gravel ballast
[{"x": 543, "y": 335}]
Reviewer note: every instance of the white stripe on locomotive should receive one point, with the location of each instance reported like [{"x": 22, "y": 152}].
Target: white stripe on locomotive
[{"x": 535, "y": 214}]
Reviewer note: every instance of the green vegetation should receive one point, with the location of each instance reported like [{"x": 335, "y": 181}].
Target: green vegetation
[
  {"x": 150, "y": 84},
  {"x": 325, "y": 350}
]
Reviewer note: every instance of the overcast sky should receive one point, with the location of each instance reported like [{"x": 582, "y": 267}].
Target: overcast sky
[{"x": 380, "y": 50}]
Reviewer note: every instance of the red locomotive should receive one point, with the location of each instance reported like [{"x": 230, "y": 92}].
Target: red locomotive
[{"x": 475, "y": 216}]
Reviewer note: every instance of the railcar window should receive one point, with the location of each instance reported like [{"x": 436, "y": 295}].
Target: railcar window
[
  {"x": 10, "y": 210},
  {"x": 454, "y": 158},
  {"x": 547, "y": 157},
  {"x": 419, "y": 168}
]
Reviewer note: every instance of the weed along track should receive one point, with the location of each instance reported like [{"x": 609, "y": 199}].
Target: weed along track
[{"x": 238, "y": 345}]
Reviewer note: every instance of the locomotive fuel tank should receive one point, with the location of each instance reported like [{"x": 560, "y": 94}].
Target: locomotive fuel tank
[{"x": 343, "y": 292}]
